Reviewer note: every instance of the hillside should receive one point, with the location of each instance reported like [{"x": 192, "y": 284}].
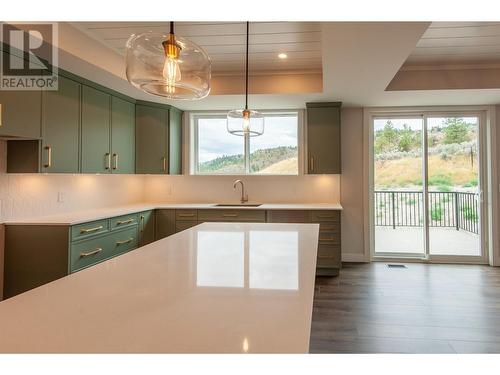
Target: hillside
[{"x": 269, "y": 160}]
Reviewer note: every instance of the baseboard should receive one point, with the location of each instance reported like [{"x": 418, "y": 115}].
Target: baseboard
[{"x": 352, "y": 257}]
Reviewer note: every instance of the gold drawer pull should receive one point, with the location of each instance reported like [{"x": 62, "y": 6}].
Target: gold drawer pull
[
  {"x": 186, "y": 215},
  {"x": 90, "y": 253},
  {"x": 90, "y": 230},
  {"x": 49, "y": 157},
  {"x": 229, "y": 215},
  {"x": 118, "y": 243},
  {"x": 125, "y": 221},
  {"x": 327, "y": 239}
]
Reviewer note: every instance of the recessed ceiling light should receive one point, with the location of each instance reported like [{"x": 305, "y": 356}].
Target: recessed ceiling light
[{"x": 282, "y": 55}]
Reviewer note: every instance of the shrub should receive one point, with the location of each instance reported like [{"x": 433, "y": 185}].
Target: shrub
[
  {"x": 440, "y": 180},
  {"x": 437, "y": 212},
  {"x": 469, "y": 213}
]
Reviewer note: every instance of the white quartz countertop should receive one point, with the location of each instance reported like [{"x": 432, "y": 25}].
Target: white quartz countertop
[
  {"x": 214, "y": 288},
  {"x": 78, "y": 217}
]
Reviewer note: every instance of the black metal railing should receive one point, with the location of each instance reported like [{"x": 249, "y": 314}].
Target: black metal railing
[{"x": 446, "y": 209}]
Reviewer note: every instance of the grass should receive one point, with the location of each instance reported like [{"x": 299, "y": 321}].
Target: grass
[{"x": 443, "y": 174}]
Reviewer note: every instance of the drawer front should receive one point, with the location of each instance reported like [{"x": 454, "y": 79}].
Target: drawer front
[
  {"x": 182, "y": 225},
  {"x": 329, "y": 256},
  {"x": 288, "y": 216},
  {"x": 87, "y": 230},
  {"x": 324, "y": 215},
  {"x": 186, "y": 215},
  {"x": 123, "y": 241},
  {"x": 332, "y": 237},
  {"x": 232, "y": 215},
  {"x": 91, "y": 251},
  {"x": 124, "y": 221}
]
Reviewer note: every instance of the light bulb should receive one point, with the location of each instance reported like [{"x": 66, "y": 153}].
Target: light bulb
[
  {"x": 246, "y": 124},
  {"x": 171, "y": 71}
]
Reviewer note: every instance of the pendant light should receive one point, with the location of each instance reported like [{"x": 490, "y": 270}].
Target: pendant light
[
  {"x": 168, "y": 65},
  {"x": 245, "y": 122}
]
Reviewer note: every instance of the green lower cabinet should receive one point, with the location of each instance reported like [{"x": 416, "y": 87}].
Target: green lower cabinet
[
  {"x": 61, "y": 128},
  {"x": 146, "y": 227},
  {"x": 122, "y": 136},
  {"x": 96, "y": 132},
  {"x": 88, "y": 252},
  {"x": 164, "y": 223}
]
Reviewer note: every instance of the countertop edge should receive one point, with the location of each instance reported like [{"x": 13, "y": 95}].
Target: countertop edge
[{"x": 82, "y": 217}]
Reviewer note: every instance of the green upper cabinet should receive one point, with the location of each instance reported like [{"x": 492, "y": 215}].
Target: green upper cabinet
[
  {"x": 61, "y": 128},
  {"x": 323, "y": 138},
  {"x": 175, "y": 141},
  {"x": 95, "y": 141},
  {"x": 151, "y": 124},
  {"x": 122, "y": 136},
  {"x": 21, "y": 111}
]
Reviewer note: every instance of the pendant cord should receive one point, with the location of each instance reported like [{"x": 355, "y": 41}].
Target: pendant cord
[
  {"x": 246, "y": 69},
  {"x": 171, "y": 27}
]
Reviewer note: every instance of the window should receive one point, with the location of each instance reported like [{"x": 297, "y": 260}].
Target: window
[{"x": 215, "y": 151}]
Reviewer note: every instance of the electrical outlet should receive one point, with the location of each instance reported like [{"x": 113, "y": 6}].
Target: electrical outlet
[
  {"x": 169, "y": 190},
  {"x": 61, "y": 197}
]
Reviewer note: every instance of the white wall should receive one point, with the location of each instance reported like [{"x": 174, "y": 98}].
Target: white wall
[
  {"x": 261, "y": 189},
  {"x": 351, "y": 186}
]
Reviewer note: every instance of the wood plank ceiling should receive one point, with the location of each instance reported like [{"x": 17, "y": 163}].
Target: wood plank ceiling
[
  {"x": 458, "y": 43},
  {"x": 225, "y": 42}
]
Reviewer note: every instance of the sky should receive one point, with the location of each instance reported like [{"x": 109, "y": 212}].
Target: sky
[
  {"x": 417, "y": 123},
  {"x": 215, "y": 141}
]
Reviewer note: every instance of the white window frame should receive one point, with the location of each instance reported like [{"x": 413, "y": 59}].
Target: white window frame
[
  {"x": 191, "y": 144},
  {"x": 486, "y": 115}
]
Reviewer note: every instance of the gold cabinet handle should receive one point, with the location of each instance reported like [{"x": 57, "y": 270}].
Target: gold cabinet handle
[
  {"x": 90, "y": 230},
  {"x": 164, "y": 164},
  {"x": 115, "y": 161},
  {"x": 229, "y": 215},
  {"x": 311, "y": 163},
  {"x": 49, "y": 157},
  {"x": 90, "y": 253},
  {"x": 118, "y": 243},
  {"x": 107, "y": 155},
  {"x": 186, "y": 215},
  {"x": 131, "y": 220}
]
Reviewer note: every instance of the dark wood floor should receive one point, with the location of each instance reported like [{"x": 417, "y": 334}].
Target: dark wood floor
[{"x": 424, "y": 308}]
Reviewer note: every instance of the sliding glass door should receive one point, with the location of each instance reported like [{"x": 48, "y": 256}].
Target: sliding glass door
[{"x": 426, "y": 200}]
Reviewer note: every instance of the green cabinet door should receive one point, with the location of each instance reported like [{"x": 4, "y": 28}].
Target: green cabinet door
[
  {"x": 20, "y": 112},
  {"x": 175, "y": 142},
  {"x": 60, "y": 127},
  {"x": 146, "y": 227},
  {"x": 164, "y": 223},
  {"x": 96, "y": 153},
  {"x": 151, "y": 139},
  {"x": 122, "y": 136},
  {"x": 323, "y": 138}
]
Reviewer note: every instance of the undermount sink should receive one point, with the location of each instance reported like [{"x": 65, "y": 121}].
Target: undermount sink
[{"x": 238, "y": 204}]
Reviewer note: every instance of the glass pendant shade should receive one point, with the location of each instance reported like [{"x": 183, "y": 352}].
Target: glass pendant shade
[
  {"x": 168, "y": 65},
  {"x": 245, "y": 122}
]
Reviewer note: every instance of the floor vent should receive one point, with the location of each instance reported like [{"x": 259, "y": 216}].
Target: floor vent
[{"x": 396, "y": 266}]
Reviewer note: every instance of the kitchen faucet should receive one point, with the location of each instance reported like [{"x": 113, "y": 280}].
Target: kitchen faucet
[{"x": 244, "y": 196}]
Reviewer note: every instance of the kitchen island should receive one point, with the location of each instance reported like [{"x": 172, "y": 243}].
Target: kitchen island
[{"x": 213, "y": 288}]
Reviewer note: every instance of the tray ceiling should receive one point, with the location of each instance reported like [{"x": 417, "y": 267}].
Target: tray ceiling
[
  {"x": 225, "y": 42},
  {"x": 458, "y": 42}
]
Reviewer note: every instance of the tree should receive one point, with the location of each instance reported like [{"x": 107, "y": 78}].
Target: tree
[
  {"x": 407, "y": 139},
  {"x": 455, "y": 131},
  {"x": 386, "y": 139}
]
